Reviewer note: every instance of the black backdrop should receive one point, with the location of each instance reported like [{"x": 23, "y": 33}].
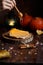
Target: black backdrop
[{"x": 32, "y": 7}]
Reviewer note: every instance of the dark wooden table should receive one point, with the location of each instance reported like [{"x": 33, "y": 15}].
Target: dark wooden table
[{"x": 32, "y": 55}]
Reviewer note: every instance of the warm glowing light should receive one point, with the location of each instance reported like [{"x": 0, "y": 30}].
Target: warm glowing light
[{"x": 11, "y": 22}]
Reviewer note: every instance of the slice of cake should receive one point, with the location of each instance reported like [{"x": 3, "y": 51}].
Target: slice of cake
[
  {"x": 24, "y": 35},
  {"x": 19, "y": 33}
]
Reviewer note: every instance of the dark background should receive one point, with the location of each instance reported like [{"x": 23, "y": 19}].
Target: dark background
[{"x": 32, "y": 7}]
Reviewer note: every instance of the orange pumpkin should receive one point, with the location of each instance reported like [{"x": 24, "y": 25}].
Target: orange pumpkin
[
  {"x": 37, "y": 23},
  {"x": 26, "y": 20}
]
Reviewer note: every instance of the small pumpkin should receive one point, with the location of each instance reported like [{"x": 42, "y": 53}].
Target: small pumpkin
[
  {"x": 25, "y": 20},
  {"x": 36, "y": 23}
]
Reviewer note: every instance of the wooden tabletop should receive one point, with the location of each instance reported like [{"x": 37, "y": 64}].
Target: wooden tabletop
[{"x": 27, "y": 55}]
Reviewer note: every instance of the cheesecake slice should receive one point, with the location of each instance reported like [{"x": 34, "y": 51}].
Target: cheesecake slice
[{"x": 19, "y": 33}]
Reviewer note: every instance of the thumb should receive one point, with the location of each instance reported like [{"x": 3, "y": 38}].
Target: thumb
[{"x": 14, "y": 2}]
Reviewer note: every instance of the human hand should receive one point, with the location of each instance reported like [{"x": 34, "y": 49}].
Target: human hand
[{"x": 8, "y": 4}]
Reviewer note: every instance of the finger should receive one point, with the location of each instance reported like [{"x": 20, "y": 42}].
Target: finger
[
  {"x": 8, "y": 2},
  {"x": 14, "y": 2},
  {"x": 7, "y": 5}
]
